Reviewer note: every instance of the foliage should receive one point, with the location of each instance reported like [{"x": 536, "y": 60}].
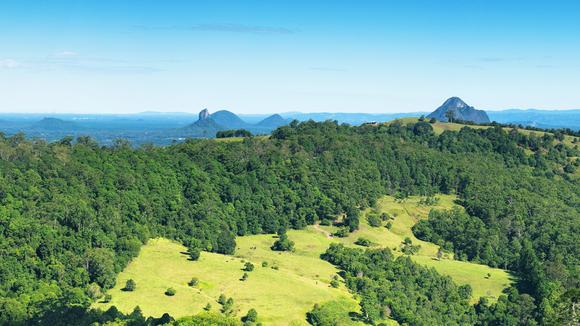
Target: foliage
[
  {"x": 363, "y": 242},
  {"x": 283, "y": 243},
  {"x": 130, "y": 285},
  {"x": 73, "y": 213},
  {"x": 193, "y": 282},
  {"x": 248, "y": 267},
  {"x": 400, "y": 289},
  {"x": 207, "y": 319},
  {"x": 170, "y": 292},
  {"x": 233, "y": 133},
  {"x": 251, "y": 316}
]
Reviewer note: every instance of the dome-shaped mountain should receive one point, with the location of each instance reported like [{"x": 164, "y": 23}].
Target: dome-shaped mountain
[
  {"x": 54, "y": 124},
  {"x": 273, "y": 121},
  {"x": 455, "y": 108},
  {"x": 228, "y": 120}
]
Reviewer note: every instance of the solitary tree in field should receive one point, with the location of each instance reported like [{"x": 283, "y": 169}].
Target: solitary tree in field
[
  {"x": 248, "y": 267},
  {"x": 194, "y": 249},
  {"x": 130, "y": 285},
  {"x": 170, "y": 292},
  {"x": 194, "y": 281},
  {"x": 283, "y": 243},
  {"x": 251, "y": 316}
]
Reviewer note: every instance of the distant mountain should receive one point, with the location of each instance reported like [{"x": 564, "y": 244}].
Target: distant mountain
[
  {"x": 460, "y": 110},
  {"x": 208, "y": 124},
  {"x": 273, "y": 121},
  {"x": 55, "y": 124},
  {"x": 228, "y": 120}
]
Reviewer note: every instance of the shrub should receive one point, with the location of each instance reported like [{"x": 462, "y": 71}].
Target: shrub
[
  {"x": 251, "y": 316},
  {"x": 248, "y": 267},
  {"x": 194, "y": 281},
  {"x": 283, "y": 243},
  {"x": 342, "y": 232},
  {"x": 334, "y": 283},
  {"x": 107, "y": 298},
  {"x": 130, "y": 285},
  {"x": 363, "y": 242},
  {"x": 222, "y": 299},
  {"x": 170, "y": 292},
  {"x": 374, "y": 220}
]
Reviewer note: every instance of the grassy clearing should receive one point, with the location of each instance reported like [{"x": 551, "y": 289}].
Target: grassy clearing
[
  {"x": 282, "y": 296},
  {"x": 405, "y": 215}
]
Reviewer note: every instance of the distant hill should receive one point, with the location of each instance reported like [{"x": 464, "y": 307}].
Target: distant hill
[
  {"x": 273, "y": 121},
  {"x": 460, "y": 111},
  {"x": 228, "y": 120},
  {"x": 55, "y": 124},
  {"x": 208, "y": 124}
]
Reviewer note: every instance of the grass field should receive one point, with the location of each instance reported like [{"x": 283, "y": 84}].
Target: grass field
[
  {"x": 439, "y": 127},
  {"x": 282, "y": 296},
  {"x": 407, "y": 214}
]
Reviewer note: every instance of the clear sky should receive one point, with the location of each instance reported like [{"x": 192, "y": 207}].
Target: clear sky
[{"x": 278, "y": 56}]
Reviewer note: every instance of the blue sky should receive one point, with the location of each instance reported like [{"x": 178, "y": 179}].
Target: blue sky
[{"x": 268, "y": 56}]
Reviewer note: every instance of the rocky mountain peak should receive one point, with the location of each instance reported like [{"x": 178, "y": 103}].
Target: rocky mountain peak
[
  {"x": 203, "y": 114},
  {"x": 459, "y": 110}
]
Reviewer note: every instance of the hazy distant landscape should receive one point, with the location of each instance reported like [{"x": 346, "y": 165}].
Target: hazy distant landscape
[{"x": 163, "y": 128}]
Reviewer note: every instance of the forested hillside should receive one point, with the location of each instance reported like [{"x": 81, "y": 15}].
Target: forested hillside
[{"x": 73, "y": 214}]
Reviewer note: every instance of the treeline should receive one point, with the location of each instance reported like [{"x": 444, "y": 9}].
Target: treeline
[
  {"x": 233, "y": 133},
  {"x": 73, "y": 214}
]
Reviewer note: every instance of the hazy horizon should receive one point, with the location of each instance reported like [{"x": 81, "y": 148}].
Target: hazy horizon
[
  {"x": 256, "y": 57},
  {"x": 265, "y": 113}
]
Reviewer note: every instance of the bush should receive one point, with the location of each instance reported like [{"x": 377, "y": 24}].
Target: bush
[
  {"x": 374, "y": 220},
  {"x": 194, "y": 281},
  {"x": 130, "y": 285},
  {"x": 194, "y": 249},
  {"x": 283, "y": 243},
  {"x": 248, "y": 267},
  {"x": 264, "y": 264},
  {"x": 363, "y": 242},
  {"x": 251, "y": 316},
  {"x": 107, "y": 298},
  {"x": 334, "y": 283},
  {"x": 244, "y": 277},
  {"x": 341, "y": 233},
  {"x": 170, "y": 292}
]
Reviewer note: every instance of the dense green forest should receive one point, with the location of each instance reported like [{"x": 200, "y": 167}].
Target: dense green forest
[{"x": 73, "y": 214}]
